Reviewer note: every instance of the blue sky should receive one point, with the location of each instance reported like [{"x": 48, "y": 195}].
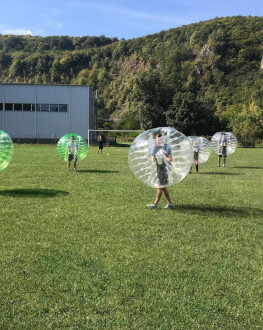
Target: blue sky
[{"x": 113, "y": 18}]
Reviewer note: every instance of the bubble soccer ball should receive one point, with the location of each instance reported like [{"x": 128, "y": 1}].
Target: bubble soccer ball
[
  {"x": 6, "y": 150},
  {"x": 148, "y": 161},
  {"x": 224, "y": 142},
  {"x": 204, "y": 147},
  {"x": 79, "y": 148}
]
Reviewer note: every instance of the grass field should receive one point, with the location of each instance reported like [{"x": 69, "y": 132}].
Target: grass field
[{"x": 81, "y": 250}]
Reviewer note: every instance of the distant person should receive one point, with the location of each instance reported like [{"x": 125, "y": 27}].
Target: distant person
[
  {"x": 162, "y": 156},
  {"x": 72, "y": 149},
  {"x": 196, "y": 150},
  {"x": 222, "y": 149},
  {"x": 101, "y": 141}
]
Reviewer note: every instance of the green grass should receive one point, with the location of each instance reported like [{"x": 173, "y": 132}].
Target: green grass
[{"x": 81, "y": 250}]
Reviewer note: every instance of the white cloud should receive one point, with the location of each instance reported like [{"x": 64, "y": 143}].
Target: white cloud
[{"x": 19, "y": 32}]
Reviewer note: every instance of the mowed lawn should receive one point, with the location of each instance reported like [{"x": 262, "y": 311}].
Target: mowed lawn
[{"x": 81, "y": 250}]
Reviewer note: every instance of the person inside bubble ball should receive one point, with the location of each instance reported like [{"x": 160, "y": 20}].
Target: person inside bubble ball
[
  {"x": 222, "y": 149},
  {"x": 72, "y": 149},
  {"x": 162, "y": 156},
  {"x": 196, "y": 150}
]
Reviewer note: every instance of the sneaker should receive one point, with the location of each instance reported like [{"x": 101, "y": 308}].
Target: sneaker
[
  {"x": 223, "y": 165},
  {"x": 152, "y": 206},
  {"x": 217, "y": 165},
  {"x": 75, "y": 170},
  {"x": 168, "y": 206}
]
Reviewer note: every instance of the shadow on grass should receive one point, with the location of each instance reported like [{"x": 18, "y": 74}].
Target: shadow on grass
[
  {"x": 250, "y": 167},
  {"x": 33, "y": 193},
  {"x": 220, "y": 173},
  {"x": 97, "y": 171},
  {"x": 121, "y": 145},
  {"x": 218, "y": 211}
]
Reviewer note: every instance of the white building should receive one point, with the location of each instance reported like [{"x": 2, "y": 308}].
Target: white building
[{"x": 40, "y": 112}]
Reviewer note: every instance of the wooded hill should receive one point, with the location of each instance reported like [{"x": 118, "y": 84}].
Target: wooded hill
[{"x": 198, "y": 77}]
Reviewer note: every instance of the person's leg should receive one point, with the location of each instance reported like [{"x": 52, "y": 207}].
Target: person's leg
[
  {"x": 196, "y": 167},
  {"x": 68, "y": 166},
  {"x": 224, "y": 161},
  {"x": 157, "y": 198},
  {"x": 75, "y": 166},
  {"x": 167, "y": 196},
  {"x": 219, "y": 158},
  {"x": 190, "y": 171},
  {"x": 158, "y": 195}
]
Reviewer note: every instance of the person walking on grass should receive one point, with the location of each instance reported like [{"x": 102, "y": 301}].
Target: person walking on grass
[
  {"x": 196, "y": 150},
  {"x": 222, "y": 149},
  {"x": 101, "y": 141},
  {"x": 162, "y": 156},
  {"x": 72, "y": 149}
]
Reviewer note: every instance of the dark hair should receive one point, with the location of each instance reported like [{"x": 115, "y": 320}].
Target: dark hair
[{"x": 158, "y": 135}]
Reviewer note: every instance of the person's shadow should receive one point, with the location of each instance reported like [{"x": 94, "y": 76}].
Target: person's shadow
[
  {"x": 250, "y": 167},
  {"x": 33, "y": 193},
  {"x": 208, "y": 210},
  {"x": 97, "y": 171},
  {"x": 220, "y": 173}
]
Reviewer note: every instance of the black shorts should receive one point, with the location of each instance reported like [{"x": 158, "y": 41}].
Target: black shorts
[
  {"x": 162, "y": 175},
  {"x": 222, "y": 152},
  {"x": 101, "y": 145},
  {"x": 72, "y": 157}
]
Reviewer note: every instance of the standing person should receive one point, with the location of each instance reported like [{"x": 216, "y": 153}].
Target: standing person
[
  {"x": 101, "y": 141},
  {"x": 72, "y": 149},
  {"x": 196, "y": 150},
  {"x": 162, "y": 156},
  {"x": 222, "y": 149}
]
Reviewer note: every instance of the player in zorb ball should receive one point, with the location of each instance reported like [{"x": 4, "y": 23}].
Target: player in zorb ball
[
  {"x": 159, "y": 158},
  {"x": 6, "y": 150},
  {"x": 72, "y": 147},
  {"x": 223, "y": 144},
  {"x": 201, "y": 150}
]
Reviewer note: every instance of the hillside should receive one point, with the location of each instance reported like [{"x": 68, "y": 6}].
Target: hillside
[{"x": 217, "y": 61}]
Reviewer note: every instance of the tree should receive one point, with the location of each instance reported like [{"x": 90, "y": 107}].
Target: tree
[
  {"x": 246, "y": 121},
  {"x": 153, "y": 96},
  {"x": 189, "y": 115}
]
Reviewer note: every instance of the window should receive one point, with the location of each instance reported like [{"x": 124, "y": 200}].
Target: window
[
  {"x": 9, "y": 106},
  {"x": 44, "y": 107},
  {"x": 27, "y": 107},
  {"x": 32, "y": 106},
  {"x": 54, "y": 107},
  {"x": 63, "y": 108},
  {"x": 18, "y": 107}
]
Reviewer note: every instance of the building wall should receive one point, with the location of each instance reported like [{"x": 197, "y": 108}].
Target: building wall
[{"x": 46, "y": 124}]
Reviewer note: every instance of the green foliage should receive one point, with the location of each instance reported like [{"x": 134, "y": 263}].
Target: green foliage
[
  {"x": 246, "y": 121},
  {"x": 152, "y": 94},
  {"x": 189, "y": 115},
  {"x": 129, "y": 123}
]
